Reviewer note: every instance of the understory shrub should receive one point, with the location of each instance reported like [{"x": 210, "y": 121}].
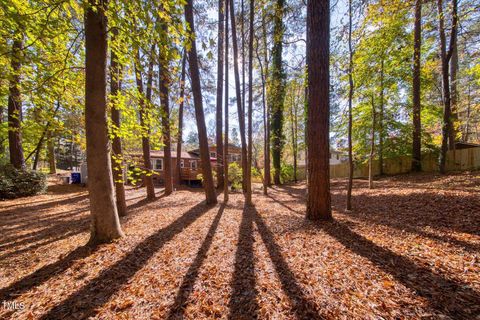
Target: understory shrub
[
  {"x": 235, "y": 176},
  {"x": 16, "y": 183},
  {"x": 286, "y": 173}
]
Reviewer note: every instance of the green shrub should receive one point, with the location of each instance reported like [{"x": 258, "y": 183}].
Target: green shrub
[
  {"x": 235, "y": 176},
  {"x": 16, "y": 183},
  {"x": 286, "y": 172}
]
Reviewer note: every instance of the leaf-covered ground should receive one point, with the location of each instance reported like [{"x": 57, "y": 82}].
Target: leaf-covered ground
[{"x": 410, "y": 249}]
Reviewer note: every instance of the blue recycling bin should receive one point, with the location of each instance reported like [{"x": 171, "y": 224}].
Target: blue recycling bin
[{"x": 76, "y": 178}]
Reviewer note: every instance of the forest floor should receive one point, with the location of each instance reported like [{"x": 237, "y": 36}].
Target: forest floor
[{"x": 410, "y": 249}]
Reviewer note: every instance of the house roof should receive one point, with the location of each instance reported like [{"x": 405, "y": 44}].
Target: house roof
[
  {"x": 161, "y": 154},
  {"x": 231, "y": 145},
  {"x": 465, "y": 145}
]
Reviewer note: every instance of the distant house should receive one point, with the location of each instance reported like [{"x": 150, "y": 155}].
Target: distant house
[
  {"x": 336, "y": 157},
  {"x": 190, "y": 163},
  {"x": 234, "y": 153}
]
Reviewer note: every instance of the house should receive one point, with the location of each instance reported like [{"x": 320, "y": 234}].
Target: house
[
  {"x": 234, "y": 153},
  {"x": 190, "y": 163},
  {"x": 336, "y": 157}
]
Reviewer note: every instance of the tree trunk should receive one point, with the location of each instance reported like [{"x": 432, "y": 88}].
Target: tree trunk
[
  {"x": 417, "y": 125},
  {"x": 117, "y": 155},
  {"x": 454, "y": 92},
  {"x": 266, "y": 147},
  {"x": 38, "y": 150},
  {"x": 2, "y": 147},
  {"x": 242, "y": 26},
  {"x": 350, "y": 101},
  {"x": 318, "y": 56},
  {"x": 15, "y": 109},
  {"x": 147, "y": 164},
  {"x": 372, "y": 147},
  {"x": 225, "y": 144},
  {"x": 51, "y": 153},
  {"x": 210, "y": 195},
  {"x": 266, "y": 106},
  {"x": 164, "y": 82},
  {"x": 180, "y": 121},
  {"x": 292, "y": 132},
  {"x": 277, "y": 89},
  {"x": 445, "y": 57},
  {"x": 248, "y": 179},
  {"x": 381, "y": 116},
  {"x": 219, "y": 112},
  {"x": 240, "y": 111},
  {"x": 39, "y": 146},
  {"x": 295, "y": 141},
  {"x": 104, "y": 216},
  {"x": 466, "y": 130}
]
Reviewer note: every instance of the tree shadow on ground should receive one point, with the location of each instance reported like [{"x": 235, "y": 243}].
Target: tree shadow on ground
[
  {"x": 418, "y": 213},
  {"x": 243, "y": 303},
  {"x": 99, "y": 290},
  {"x": 303, "y": 307},
  {"x": 57, "y": 227},
  {"x": 39, "y": 229},
  {"x": 446, "y": 296},
  {"x": 411, "y": 211},
  {"x": 25, "y": 213},
  {"x": 44, "y": 274},
  {"x": 186, "y": 288}
]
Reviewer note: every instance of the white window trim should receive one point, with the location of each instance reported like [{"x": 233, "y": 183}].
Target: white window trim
[
  {"x": 161, "y": 161},
  {"x": 182, "y": 163},
  {"x": 193, "y": 164}
]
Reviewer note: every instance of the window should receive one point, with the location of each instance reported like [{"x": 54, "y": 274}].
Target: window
[
  {"x": 213, "y": 154},
  {"x": 158, "y": 164},
  {"x": 182, "y": 164},
  {"x": 193, "y": 164},
  {"x": 338, "y": 157}
]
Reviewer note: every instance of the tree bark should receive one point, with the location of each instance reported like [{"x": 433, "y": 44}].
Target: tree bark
[
  {"x": 417, "y": 125},
  {"x": 350, "y": 101},
  {"x": 242, "y": 31},
  {"x": 147, "y": 164},
  {"x": 2, "y": 147},
  {"x": 240, "y": 110},
  {"x": 293, "y": 113},
  {"x": 266, "y": 106},
  {"x": 445, "y": 58},
  {"x": 15, "y": 108},
  {"x": 117, "y": 154},
  {"x": 164, "y": 82},
  {"x": 248, "y": 179},
  {"x": 318, "y": 56},
  {"x": 219, "y": 112},
  {"x": 372, "y": 147},
  {"x": 381, "y": 116},
  {"x": 38, "y": 148},
  {"x": 277, "y": 89},
  {"x": 454, "y": 92},
  {"x": 225, "y": 144},
  {"x": 209, "y": 187},
  {"x": 180, "y": 121},
  {"x": 51, "y": 153},
  {"x": 295, "y": 144},
  {"x": 104, "y": 216}
]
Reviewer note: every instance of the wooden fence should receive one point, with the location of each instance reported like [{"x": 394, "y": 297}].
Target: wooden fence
[{"x": 458, "y": 160}]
